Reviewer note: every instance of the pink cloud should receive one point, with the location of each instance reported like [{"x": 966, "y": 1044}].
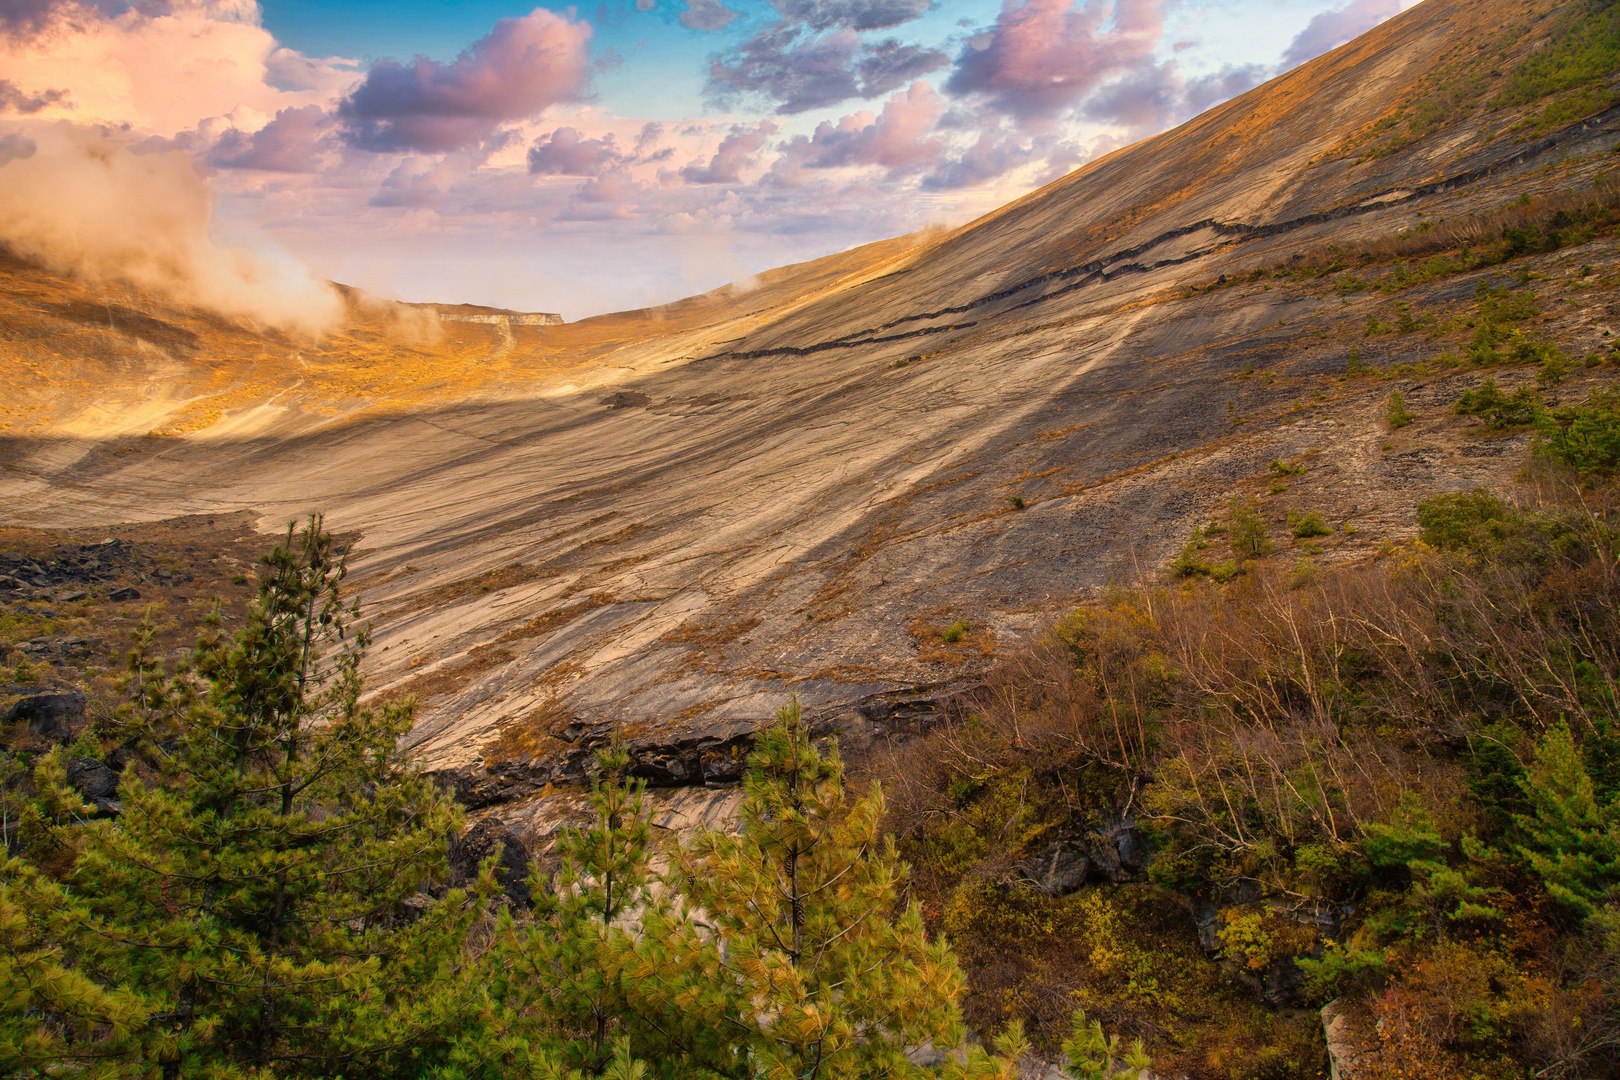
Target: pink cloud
[
  {"x": 522, "y": 67},
  {"x": 1330, "y": 29},
  {"x": 1044, "y": 56},
  {"x": 902, "y": 138},
  {"x": 290, "y": 143},
  {"x": 163, "y": 72},
  {"x": 565, "y": 152},
  {"x": 737, "y": 152}
]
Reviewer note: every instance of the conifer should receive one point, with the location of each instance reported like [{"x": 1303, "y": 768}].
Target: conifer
[
  {"x": 253, "y": 894},
  {"x": 1572, "y": 841},
  {"x": 568, "y": 953},
  {"x": 794, "y": 955}
]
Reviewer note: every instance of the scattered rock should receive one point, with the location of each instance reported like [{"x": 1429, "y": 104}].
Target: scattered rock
[
  {"x": 70, "y": 597},
  {"x": 512, "y": 871},
  {"x": 63, "y": 648},
  {"x": 52, "y": 713},
  {"x": 124, "y": 592},
  {"x": 97, "y": 783},
  {"x": 1112, "y": 851},
  {"x": 715, "y": 755},
  {"x": 413, "y": 907}
]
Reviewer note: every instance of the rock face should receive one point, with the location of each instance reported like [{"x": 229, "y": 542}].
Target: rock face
[
  {"x": 1344, "y": 1050},
  {"x": 52, "y": 713},
  {"x": 479, "y": 843},
  {"x": 1112, "y": 851},
  {"x": 664, "y": 523}
]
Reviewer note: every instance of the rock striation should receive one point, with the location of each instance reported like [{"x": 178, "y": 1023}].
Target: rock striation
[{"x": 865, "y": 479}]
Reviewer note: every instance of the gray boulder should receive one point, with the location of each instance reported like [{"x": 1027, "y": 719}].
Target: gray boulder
[
  {"x": 52, "y": 713},
  {"x": 97, "y": 782}
]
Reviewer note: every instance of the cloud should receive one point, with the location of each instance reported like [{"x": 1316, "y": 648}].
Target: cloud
[
  {"x": 1044, "y": 56},
  {"x": 565, "y": 153},
  {"x": 290, "y": 143},
  {"x": 901, "y": 139},
  {"x": 519, "y": 69},
  {"x": 800, "y": 73},
  {"x": 1330, "y": 29},
  {"x": 87, "y": 204},
  {"x": 14, "y": 147},
  {"x": 611, "y": 196},
  {"x": 851, "y": 14},
  {"x": 737, "y": 151},
  {"x": 1223, "y": 85},
  {"x": 161, "y": 67},
  {"x": 707, "y": 15},
  {"x": 14, "y": 100},
  {"x": 994, "y": 153}
]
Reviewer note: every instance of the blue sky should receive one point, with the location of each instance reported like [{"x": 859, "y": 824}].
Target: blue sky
[{"x": 585, "y": 158}]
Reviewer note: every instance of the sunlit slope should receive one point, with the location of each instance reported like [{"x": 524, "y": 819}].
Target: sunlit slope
[
  {"x": 93, "y": 359},
  {"x": 1406, "y": 105},
  {"x": 668, "y": 520}
]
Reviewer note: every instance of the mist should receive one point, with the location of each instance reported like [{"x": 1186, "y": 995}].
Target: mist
[{"x": 83, "y": 202}]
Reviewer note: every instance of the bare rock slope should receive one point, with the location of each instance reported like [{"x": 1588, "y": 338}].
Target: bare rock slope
[{"x": 665, "y": 522}]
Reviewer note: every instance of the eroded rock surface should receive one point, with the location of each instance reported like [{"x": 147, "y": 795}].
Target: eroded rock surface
[{"x": 802, "y": 491}]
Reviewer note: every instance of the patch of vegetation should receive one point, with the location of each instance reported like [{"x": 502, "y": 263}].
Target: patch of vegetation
[
  {"x": 1499, "y": 410},
  {"x": 1581, "y": 54},
  {"x": 1584, "y": 437},
  {"x": 1309, "y": 525},
  {"x": 1395, "y": 411},
  {"x": 1398, "y": 782}
]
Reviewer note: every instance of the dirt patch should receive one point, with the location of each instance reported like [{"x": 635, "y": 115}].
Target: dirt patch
[{"x": 74, "y": 596}]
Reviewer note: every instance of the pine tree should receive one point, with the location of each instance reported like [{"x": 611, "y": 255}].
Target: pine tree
[
  {"x": 793, "y": 956},
  {"x": 53, "y": 1018},
  {"x": 253, "y": 895},
  {"x": 1094, "y": 1055},
  {"x": 1572, "y": 842},
  {"x": 567, "y": 955}
]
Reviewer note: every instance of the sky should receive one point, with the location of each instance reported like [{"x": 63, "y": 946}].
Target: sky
[{"x": 576, "y": 158}]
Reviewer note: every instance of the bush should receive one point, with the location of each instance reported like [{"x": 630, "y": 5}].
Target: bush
[
  {"x": 1249, "y": 537},
  {"x": 1500, "y": 411},
  {"x": 1472, "y": 521},
  {"x": 1584, "y": 437},
  {"x": 1395, "y": 411},
  {"x": 1306, "y": 526}
]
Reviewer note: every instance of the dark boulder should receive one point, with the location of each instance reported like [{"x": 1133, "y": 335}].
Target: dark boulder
[
  {"x": 479, "y": 843},
  {"x": 1111, "y": 851},
  {"x": 52, "y": 713},
  {"x": 97, "y": 783},
  {"x": 124, "y": 592}
]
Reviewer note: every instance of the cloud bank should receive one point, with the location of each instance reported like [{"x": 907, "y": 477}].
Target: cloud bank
[{"x": 85, "y": 203}]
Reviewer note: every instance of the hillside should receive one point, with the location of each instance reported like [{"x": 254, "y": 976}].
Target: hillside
[
  {"x": 665, "y": 520},
  {"x": 1212, "y": 552}
]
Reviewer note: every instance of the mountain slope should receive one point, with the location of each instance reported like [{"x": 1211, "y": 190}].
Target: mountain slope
[{"x": 668, "y": 520}]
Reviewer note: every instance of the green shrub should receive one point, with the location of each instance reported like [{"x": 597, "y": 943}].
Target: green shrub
[
  {"x": 1584, "y": 437},
  {"x": 1249, "y": 537},
  {"x": 1471, "y": 521},
  {"x": 1571, "y": 840},
  {"x": 1395, "y": 410},
  {"x": 956, "y": 631},
  {"x": 1500, "y": 411},
  {"x": 1306, "y": 526}
]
